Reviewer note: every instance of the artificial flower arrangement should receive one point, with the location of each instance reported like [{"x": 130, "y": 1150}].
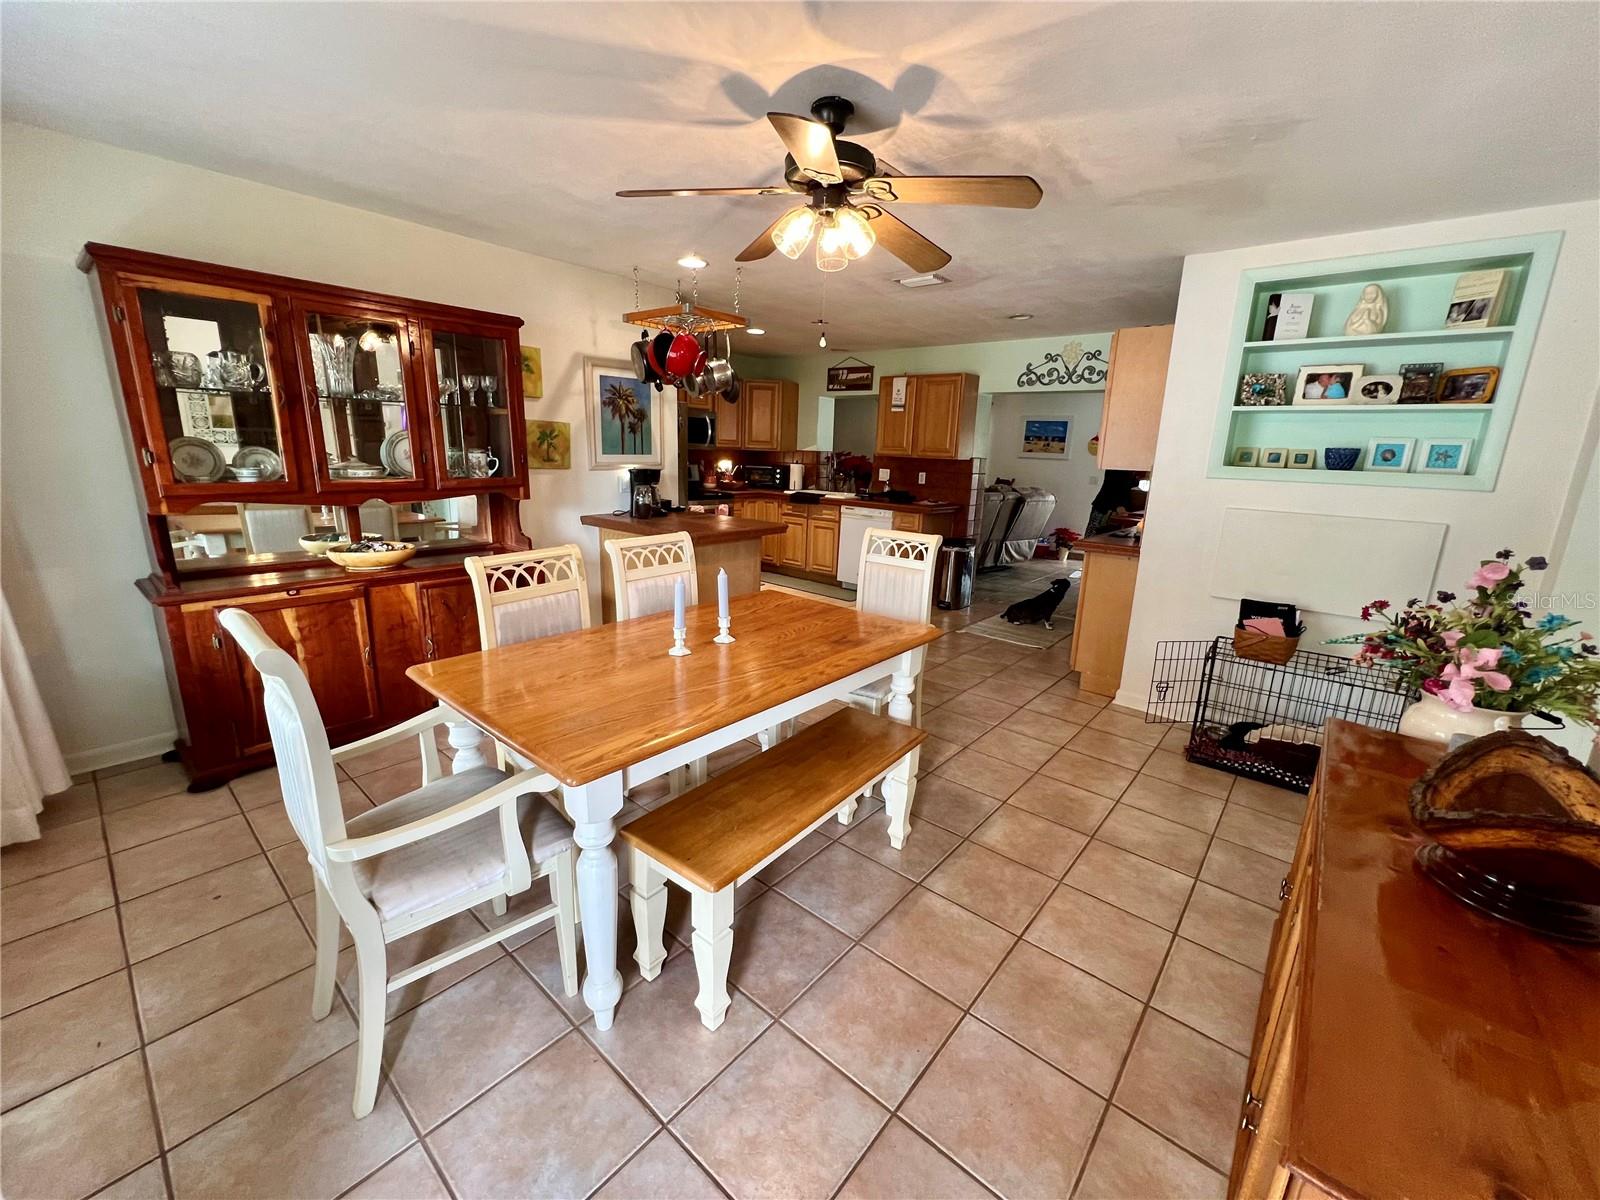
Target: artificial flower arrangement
[{"x": 1488, "y": 651}]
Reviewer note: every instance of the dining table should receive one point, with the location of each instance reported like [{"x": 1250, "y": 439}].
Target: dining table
[{"x": 606, "y": 709}]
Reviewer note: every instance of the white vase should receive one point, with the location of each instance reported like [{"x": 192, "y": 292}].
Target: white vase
[{"x": 1431, "y": 718}]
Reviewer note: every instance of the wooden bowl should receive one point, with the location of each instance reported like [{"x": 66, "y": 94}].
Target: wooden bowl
[{"x": 368, "y": 560}]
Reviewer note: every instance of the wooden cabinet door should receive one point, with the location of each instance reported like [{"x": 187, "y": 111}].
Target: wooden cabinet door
[
  {"x": 762, "y": 410},
  {"x": 936, "y": 421},
  {"x": 730, "y": 422},
  {"x": 772, "y": 544},
  {"x": 894, "y": 427},
  {"x": 822, "y": 547},
  {"x": 328, "y": 634},
  {"x": 908, "y": 522},
  {"x": 1134, "y": 389},
  {"x": 695, "y": 403},
  {"x": 792, "y": 549},
  {"x": 449, "y": 618}
]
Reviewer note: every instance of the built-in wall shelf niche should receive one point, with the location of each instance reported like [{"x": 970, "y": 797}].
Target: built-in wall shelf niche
[{"x": 1419, "y": 286}]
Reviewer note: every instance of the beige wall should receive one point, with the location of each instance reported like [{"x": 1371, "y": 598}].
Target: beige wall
[{"x": 72, "y": 540}]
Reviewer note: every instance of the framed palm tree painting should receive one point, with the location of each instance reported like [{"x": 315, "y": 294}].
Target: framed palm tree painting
[{"x": 624, "y": 416}]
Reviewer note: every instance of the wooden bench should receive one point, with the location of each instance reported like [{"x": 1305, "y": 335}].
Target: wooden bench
[{"x": 715, "y": 836}]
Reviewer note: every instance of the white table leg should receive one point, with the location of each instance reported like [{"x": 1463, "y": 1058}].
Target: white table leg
[
  {"x": 899, "y": 791},
  {"x": 592, "y": 807},
  {"x": 901, "y": 684},
  {"x": 468, "y": 742}
]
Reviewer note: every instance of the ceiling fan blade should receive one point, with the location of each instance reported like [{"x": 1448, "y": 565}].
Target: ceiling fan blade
[
  {"x": 904, "y": 242},
  {"x": 811, "y": 143},
  {"x": 990, "y": 191},
  {"x": 763, "y": 245},
  {"x": 733, "y": 191}
]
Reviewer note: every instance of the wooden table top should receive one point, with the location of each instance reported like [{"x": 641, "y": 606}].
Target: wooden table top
[
  {"x": 704, "y": 529},
  {"x": 584, "y": 704},
  {"x": 1444, "y": 1053}
]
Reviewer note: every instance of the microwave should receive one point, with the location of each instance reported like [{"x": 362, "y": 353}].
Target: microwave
[{"x": 702, "y": 429}]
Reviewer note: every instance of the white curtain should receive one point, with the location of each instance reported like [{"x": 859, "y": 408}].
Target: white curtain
[{"x": 31, "y": 766}]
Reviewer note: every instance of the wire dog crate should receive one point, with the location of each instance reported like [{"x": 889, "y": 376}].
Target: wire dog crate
[{"x": 1262, "y": 720}]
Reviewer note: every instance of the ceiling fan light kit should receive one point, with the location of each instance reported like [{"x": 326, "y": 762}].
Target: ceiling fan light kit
[{"x": 834, "y": 175}]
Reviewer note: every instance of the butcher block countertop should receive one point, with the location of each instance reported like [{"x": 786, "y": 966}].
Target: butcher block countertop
[
  {"x": 704, "y": 529},
  {"x": 921, "y": 506}
]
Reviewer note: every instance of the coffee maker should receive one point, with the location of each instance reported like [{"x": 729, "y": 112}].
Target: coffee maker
[{"x": 643, "y": 487}]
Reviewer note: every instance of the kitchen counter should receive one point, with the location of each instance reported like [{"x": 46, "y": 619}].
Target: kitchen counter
[
  {"x": 705, "y": 529},
  {"x": 1102, "y": 543},
  {"x": 731, "y": 544},
  {"x": 921, "y": 506}
]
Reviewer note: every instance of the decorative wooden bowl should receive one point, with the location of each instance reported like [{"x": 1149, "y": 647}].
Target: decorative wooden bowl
[
  {"x": 369, "y": 560},
  {"x": 1515, "y": 828}
]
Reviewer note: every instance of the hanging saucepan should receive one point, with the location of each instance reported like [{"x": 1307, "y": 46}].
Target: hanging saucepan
[
  {"x": 718, "y": 373},
  {"x": 641, "y": 364},
  {"x": 656, "y": 355},
  {"x": 684, "y": 357}
]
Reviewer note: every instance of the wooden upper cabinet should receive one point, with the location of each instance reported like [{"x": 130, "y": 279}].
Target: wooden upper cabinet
[
  {"x": 730, "y": 421},
  {"x": 771, "y": 415},
  {"x": 330, "y": 393},
  {"x": 1131, "y": 418},
  {"x": 939, "y": 419},
  {"x": 894, "y": 424}
]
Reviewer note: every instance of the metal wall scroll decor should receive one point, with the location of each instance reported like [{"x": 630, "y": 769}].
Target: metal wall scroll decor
[
  {"x": 1075, "y": 366},
  {"x": 843, "y": 377}
]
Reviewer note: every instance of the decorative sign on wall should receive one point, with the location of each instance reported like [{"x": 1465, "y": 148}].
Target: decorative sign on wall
[
  {"x": 1073, "y": 366},
  {"x": 846, "y": 378},
  {"x": 897, "y": 394}
]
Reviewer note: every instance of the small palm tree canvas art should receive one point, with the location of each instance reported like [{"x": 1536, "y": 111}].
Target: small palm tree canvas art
[
  {"x": 623, "y": 416},
  {"x": 549, "y": 446}
]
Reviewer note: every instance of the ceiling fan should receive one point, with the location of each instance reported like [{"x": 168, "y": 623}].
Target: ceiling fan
[{"x": 847, "y": 196}]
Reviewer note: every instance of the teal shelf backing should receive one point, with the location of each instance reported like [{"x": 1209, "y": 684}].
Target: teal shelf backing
[{"x": 1418, "y": 284}]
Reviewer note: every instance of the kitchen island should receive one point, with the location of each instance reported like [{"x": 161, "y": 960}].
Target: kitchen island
[
  {"x": 1105, "y": 603},
  {"x": 732, "y": 544}
]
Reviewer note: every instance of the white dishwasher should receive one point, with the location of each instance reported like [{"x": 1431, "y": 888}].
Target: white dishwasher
[{"x": 854, "y": 522}]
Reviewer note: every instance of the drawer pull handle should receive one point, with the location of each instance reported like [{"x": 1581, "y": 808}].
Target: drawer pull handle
[
  {"x": 1251, "y": 1100},
  {"x": 216, "y": 641},
  {"x": 1244, "y": 1123},
  {"x": 1285, "y": 890}
]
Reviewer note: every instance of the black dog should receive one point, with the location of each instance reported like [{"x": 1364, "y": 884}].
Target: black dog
[{"x": 1038, "y": 608}]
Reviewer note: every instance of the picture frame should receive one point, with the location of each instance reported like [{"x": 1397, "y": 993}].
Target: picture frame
[
  {"x": 1444, "y": 456},
  {"x": 549, "y": 445},
  {"x": 1302, "y": 460},
  {"x": 1419, "y": 382},
  {"x": 1376, "y": 389},
  {"x": 1276, "y": 456},
  {"x": 623, "y": 415},
  {"x": 1327, "y": 383},
  {"x": 1263, "y": 389},
  {"x": 1045, "y": 437},
  {"x": 1245, "y": 456},
  {"x": 532, "y": 372},
  {"x": 1469, "y": 385},
  {"x": 1390, "y": 454}
]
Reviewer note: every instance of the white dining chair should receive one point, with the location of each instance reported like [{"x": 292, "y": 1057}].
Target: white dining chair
[
  {"x": 273, "y": 528},
  {"x": 644, "y": 570},
  {"x": 455, "y": 842},
  {"x": 644, "y": 575},
  {"x": 377, "y": 521},
  {"x": 895, "y": 580}
]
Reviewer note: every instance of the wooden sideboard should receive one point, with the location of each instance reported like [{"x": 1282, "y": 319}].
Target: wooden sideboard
[
  {"x": 1406, "y": 1046},
  {"x": 351, "y": 397}
]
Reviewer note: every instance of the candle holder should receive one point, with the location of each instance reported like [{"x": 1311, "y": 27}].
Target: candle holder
[
  {"x": 678, "y": 648},
  {"x": 723, "y": 636}
]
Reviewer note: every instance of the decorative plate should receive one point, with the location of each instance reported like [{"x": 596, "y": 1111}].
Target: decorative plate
[
  {"x": 270, "y": 464},
  {"x": 395, "y": 454},
  {"x": 195, "y": 460}
]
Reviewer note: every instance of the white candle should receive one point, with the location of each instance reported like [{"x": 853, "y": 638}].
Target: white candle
[
  {"x": 722, "y": 594},
  {"x": 677, "y": 603}
]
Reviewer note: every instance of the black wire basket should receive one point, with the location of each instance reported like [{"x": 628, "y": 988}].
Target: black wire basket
[{"x": 1264, "y": 720}]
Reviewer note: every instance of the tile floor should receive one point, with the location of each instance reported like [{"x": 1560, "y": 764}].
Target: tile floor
[{"x": 1048, "y": 993}]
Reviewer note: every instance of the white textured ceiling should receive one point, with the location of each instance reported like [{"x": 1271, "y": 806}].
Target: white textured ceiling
[{"x": 1155, "y": 129}]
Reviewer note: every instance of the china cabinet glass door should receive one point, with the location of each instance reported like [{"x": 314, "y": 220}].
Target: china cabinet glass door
[
  {"x": 473, "y": 402},
  {"x": 363, "y": 421},
  {"x": 208, "y": 364}
]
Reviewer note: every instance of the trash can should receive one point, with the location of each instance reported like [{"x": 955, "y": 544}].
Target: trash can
[{"x": 952, "y": 580}]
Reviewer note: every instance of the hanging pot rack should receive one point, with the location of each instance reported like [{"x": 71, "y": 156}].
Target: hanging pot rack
[{"x": 687, "y": 315}]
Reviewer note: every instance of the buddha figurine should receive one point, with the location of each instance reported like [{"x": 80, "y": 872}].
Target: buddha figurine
[{"x": 1371, "y": 312}]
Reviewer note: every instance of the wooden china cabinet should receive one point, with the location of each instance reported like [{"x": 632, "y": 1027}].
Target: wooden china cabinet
[{"x": 260, "y": 408}]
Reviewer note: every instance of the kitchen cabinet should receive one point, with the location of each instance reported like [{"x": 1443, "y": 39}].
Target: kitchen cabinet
[
  {"x": 792, "y": 549},
  {"x": 1136, "y": 382},
  {"x": 920, "y": 522},
  {"x": 765, "y": 417},
  {"x": 1105, "y": 603},
  {"x": 822, "y": 547},
  {"x": 938, "y": 419},
  {"x": 759, "y": 508}
]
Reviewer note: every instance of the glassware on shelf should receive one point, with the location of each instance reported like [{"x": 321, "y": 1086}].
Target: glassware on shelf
[
  {"x": 489, "y": 384},
  {"x": 447, "y": 390},
  {"x": 176, "y": 368},
  {"x": 469, "y": 389},
  {"x": 335, "y": 360},
  {"x": 239, "y": 370}
]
